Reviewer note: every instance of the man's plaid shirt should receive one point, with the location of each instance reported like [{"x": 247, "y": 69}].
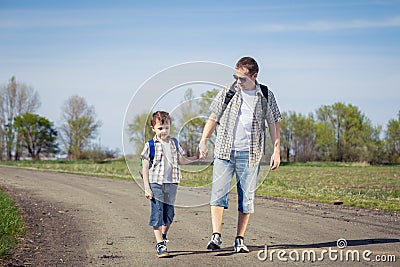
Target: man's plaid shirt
[
  {"x": 156, "y": 171},
  {"x": 263, "y": 111}
]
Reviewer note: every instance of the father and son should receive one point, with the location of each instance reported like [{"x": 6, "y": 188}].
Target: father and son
[{"x": 238, "y": 114}]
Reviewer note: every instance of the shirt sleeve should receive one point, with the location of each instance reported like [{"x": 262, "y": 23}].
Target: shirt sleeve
[
  {"x": 146, "y": 152},
  {"x": 217, "y": 103},
  {"x": 275, "y": 115},
  {"x": 182, "y": 152}
]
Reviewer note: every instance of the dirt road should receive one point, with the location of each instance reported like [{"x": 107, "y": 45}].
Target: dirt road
[{"x": 90, "y": 221}]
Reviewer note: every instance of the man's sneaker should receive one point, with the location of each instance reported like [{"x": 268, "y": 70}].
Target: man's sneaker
[
  {"x": 215, "y": 242},
  {"x": 239, "y": 246},
  {"x": 161, "y": 250}
]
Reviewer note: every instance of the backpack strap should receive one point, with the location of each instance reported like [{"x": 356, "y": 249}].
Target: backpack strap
[
  {"x": 152, "y": 151},
  {"x": 264, "y": 90},
  {"x": 228, "y": 97},
  {"x": 151, "y": 156}
]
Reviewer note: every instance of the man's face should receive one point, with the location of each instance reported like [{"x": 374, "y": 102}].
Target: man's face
[
  {"x": 245, "y": 80},
  {"x": 162, "y": 130}
]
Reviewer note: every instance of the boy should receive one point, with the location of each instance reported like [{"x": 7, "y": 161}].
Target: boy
[{"x": 161, "y": 176}]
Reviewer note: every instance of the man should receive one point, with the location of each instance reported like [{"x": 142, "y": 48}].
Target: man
[{"x": 239, "y": 146}]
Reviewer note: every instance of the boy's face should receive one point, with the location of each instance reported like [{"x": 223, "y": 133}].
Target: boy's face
[{"x": 162, "y": 130}]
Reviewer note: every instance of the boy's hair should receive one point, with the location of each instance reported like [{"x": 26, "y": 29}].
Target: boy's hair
[
  {"x": 248, "y": 63},
  {"x": 161, "y": 116}
]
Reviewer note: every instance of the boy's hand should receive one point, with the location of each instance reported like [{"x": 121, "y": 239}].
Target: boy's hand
[{"x": 148, "y": 193}]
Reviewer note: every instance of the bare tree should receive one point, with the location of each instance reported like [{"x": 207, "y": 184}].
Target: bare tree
[
  {"x": 15, "y": 100},
  {"x": 79, "y": 125}
]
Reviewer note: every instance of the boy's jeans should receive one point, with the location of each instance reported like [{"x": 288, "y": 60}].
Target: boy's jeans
[{"x": 162, "y": 203}]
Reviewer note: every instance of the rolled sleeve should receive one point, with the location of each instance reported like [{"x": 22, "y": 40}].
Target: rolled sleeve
[
  {"x": 273, "y": 107},
  {"x": 217, "y": 103},
  {"x": 182, "y": 152},
  {"x": 146, "y": 152}
]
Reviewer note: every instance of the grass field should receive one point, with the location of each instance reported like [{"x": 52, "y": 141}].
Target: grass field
[
  {"x": 11, "y": 225},
  {"x": 376, "y": 187}
]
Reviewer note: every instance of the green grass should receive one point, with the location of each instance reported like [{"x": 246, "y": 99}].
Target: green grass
[
  {"x": 376, "y": 187},
  {"x": 110, "y": 169},
  {"x": 11, "y": 225}
]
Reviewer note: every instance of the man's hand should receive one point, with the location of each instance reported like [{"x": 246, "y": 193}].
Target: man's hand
[
  {"x": 209, "y": 128},
  {"x": 275, "y": 160},
  {"x": 203, "y": 150}
]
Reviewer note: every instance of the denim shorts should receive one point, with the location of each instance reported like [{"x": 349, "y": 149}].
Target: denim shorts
[
  {"x": 246, "y": 181},
  {"x": 162, "y": 204}
]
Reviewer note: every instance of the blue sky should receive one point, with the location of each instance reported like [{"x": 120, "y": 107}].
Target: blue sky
[{"x": 311, "y": 53}]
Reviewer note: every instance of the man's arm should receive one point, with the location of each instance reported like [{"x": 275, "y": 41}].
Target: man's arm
[
  {"x": 275, "y": 134},
  {"x": 209, "y": 128}
]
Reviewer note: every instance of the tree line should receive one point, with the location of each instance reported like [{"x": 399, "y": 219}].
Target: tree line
[
  {"x": 337, "y": 132},
  {"x": 23, "y": 133}
]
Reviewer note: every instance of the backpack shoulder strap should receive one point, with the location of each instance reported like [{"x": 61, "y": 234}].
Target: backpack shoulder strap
[
  {"x": 152, "y": 150},
  {"x": 151, "y": 155},
  {"x": 228, "y": 97},
  {"x": 264, "y": 90}
]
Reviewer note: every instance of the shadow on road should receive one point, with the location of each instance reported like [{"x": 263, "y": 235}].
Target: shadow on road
[
  {"x": 350, "y": 243},
  {"x": 221, "y": 252},
  {"x": 228, "y": 251}
]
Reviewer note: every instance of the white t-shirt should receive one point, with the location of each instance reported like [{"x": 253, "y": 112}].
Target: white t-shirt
[
  {"x": 167, "y": 162},
  {"x": 242, "y": 131}
]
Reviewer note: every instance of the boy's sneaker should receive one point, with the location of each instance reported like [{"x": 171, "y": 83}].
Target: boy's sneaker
[
  {"x": 161, "y": 250},
  {"x": 215, "y": 242},
  {"x": 239, "y": 246},
  {"x": 165, "y": 239}
]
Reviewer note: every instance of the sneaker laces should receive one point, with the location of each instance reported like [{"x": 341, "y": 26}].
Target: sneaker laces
[
  {"x": 161, "y": 246},
  {"x": 216, "y": 238}
]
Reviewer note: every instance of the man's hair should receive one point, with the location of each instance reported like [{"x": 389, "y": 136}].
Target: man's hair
[
  {"x": 248, "y": 63},
  {"x": 161, "y": 116}
]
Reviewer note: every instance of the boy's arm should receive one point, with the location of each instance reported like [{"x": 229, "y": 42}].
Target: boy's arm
[
  {"x": 147, "y": 190},
  {"x": 187, "y": 160}
]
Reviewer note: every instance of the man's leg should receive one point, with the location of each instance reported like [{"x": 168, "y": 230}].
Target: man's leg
[
  {"x": 217, "y": 213},
  {"x": 246, "y": 186},
  {"x": 222, "y": 175},
  {"x": 243, "y": 220}
]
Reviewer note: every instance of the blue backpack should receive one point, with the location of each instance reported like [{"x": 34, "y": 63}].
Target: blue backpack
[{"x": 153, "y": 152}]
